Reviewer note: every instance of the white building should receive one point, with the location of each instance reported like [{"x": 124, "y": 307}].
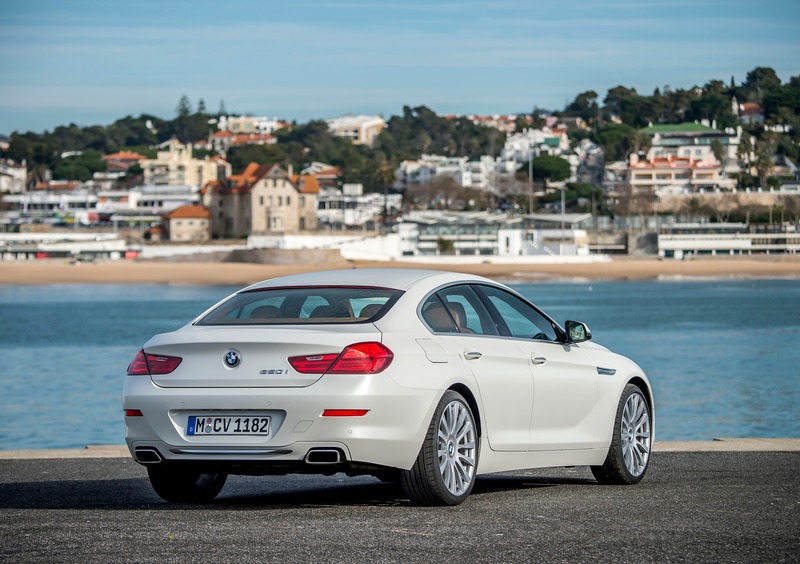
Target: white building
[
  {"x": 530, "y": 143},
  {"x": 13, "y": 177},
  {"x": 481, "y": 174},
  {"x": 360, "y": 129},
  {"x": 350, "y": 207},
  {"x": 249, "y": 124},
  {"x": 683, "y": 240}
]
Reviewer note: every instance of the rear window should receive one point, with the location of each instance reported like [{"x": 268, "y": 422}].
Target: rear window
[{"x": 308, "y": 305}]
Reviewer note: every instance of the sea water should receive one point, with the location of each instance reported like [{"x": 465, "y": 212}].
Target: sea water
[{"x": 723, "y": 355}]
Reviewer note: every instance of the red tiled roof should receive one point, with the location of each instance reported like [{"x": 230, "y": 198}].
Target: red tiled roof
[
  {"x": 241, "y": 183},
  {"x": 189, "y": 211},
  {"x": 306, "y": 183},
  {"x": 124, "y": 156},
  {"x": 750, "y": 108}
]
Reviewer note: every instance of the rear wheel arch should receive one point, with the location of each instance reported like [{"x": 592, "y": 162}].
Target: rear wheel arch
[{"x": 467, "y": 394}]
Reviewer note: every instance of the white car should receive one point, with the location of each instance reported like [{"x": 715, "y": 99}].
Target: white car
[{"x": 428, "y": 378}]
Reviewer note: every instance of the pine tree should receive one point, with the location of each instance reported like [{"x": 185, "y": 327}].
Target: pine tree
[{"x": 184, "y": 107}]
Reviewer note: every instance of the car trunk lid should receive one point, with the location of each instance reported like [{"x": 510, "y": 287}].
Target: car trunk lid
[{"x": 250, "y": 356}]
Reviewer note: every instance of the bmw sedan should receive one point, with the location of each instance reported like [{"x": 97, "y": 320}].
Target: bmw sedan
[{"x": 421, "y": 377}]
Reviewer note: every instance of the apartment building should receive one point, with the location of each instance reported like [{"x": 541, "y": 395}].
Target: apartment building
[
  {"x": 694, "y": 141},
  {"x": 663, "y": 183},
  {"x": 360, "y": 129},
  {"x": 175, "y": 166},
  {"x": 263, "y": 200},
  {"x": 480, "y": 174}
]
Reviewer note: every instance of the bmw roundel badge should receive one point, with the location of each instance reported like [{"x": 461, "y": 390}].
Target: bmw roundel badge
[{"x": 232, "y": 359}]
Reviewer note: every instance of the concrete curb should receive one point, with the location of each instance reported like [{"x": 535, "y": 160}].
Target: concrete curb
[{"x": 717, "y": 445}]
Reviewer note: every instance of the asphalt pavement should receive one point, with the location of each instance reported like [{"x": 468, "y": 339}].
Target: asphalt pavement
[{"x": 691, "y": 507}]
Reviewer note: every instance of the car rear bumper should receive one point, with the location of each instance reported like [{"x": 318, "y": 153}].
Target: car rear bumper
[{"x": 389, "y": 434}]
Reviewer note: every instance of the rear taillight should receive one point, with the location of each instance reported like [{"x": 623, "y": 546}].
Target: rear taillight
[
  {"x": 152, "y": 364},
  {"x": 361, "y": 358},
  {"x": 314, "y": 364}
]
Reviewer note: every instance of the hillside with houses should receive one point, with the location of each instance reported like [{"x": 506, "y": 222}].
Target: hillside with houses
[{"x": 706, "y": 170}]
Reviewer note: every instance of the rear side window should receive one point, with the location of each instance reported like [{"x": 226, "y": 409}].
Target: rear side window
[
  {"x": 305, "y": 305},
  {"x": 457, "y": 309}
]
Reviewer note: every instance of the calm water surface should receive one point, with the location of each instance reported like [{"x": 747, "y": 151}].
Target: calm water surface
[{"x": 723, "y": 355}]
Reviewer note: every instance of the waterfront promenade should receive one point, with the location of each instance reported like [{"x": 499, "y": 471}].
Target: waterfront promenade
[{"x": 721, "y": 501}]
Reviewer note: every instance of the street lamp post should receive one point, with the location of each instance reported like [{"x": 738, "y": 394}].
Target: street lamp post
[
  {"x": 530, "y": 183},
  {"x": 563, "y": 211}
]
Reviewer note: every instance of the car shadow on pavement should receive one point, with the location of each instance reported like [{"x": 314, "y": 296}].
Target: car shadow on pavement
[{"x": 244, "y": 492}]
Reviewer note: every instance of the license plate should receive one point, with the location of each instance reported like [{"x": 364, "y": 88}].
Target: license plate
[{"x": 228, "y": 425}]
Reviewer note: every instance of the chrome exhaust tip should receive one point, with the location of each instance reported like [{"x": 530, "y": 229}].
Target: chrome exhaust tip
[
  {"x": 323, "y": 456},
  {"x": 147, "y": 455}
]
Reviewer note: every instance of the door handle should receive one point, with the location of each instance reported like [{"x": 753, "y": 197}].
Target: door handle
[
  {"x": 472, "y": 355},
  {"x": 538, "y": 359}
]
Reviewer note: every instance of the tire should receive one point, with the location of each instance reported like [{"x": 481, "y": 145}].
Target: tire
[
  {"x": 186, "y": 483},
  {"x": 445, "y": 469},
  {"x": 629, "y": 454}
]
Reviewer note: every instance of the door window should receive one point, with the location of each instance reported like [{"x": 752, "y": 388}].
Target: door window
[{"x": 522, "y": 320}]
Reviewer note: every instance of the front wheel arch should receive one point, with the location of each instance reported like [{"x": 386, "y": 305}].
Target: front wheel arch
[{"x": 631, "y": 445}]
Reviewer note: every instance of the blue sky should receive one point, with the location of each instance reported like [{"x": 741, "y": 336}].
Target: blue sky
[{"x": 92, "y": 62}]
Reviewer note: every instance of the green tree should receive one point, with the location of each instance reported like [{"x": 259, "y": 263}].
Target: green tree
[
  {"x": 744, "y": 155},
  {"x": 79, "y": 167},
  {"x": 584, "y": 106},
  {"x": 548, "y": 167},
  {"x": 763, "y": 163},
  {"x": 241, "y": 156},
  {"x": 759, "y": 81},
  {"x": 184, "y": 107},
  {"x": 718, "y": 150},
  {"x": 615, "y": 140},
  {"x": 384, "y": 175}
]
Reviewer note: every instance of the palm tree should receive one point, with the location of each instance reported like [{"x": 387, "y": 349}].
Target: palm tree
[{"x": 384, "y": 175}]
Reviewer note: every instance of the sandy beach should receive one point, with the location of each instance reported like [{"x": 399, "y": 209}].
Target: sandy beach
[{"x": 140, "y": 272}]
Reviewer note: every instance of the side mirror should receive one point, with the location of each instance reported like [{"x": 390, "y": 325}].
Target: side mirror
[{"x": 577, "y": 332}]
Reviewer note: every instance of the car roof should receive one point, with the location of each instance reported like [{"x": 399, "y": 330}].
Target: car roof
[{"x": 395, "y": 278}]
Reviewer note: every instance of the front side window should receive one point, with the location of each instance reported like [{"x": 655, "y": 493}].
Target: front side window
[
  {"x": 303, "y": 305},
  {"x": 522, "y": 320}
]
